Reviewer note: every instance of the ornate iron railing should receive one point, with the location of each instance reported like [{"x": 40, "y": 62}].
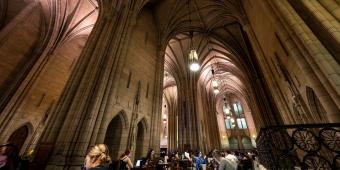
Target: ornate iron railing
[{"x": 309, "y": 146}]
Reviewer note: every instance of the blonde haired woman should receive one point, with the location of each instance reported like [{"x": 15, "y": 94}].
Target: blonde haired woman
[{"x": 98, "y": 158}]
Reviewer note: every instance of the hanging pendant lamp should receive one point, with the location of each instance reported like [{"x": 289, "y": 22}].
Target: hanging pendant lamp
[{"x": 193, "y": 57}]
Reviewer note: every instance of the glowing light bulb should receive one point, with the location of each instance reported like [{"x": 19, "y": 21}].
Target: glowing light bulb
[
  {"x": 194, "y": 66},
  {"x": 216, "y": 91},
  {"x": 193, "y": 57},
  {"x": 214, "y": 83}
]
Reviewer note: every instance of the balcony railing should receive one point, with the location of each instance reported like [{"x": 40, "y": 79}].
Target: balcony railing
[{"x": 306, "y": 146}]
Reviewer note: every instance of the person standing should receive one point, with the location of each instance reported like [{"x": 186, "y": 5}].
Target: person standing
[
  {"x": 223, "y": 163},
  {"x": 232, "y": 158}
]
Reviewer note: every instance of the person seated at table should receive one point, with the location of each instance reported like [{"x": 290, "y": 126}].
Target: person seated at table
[
  {"x": 98, "y": 158},
  {"x": 125, "y": 161},
  {"x": 150, "y": 160},
  {"x": 4, "y": 163},
  {"x": 9, "y": 157}
]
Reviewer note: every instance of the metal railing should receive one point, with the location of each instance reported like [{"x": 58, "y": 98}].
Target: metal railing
[{"x": 305, "y": 146}]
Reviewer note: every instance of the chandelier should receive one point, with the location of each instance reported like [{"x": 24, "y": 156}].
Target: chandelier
[
  {"x": 193, "y": 57},
  {"x": 214, "y": 81}
]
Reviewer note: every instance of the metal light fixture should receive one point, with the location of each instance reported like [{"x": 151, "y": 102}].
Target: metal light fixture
[
  {"x": 193, "y": 57},
  {"x": 214, "y": 82},
  {"x": 216, "y": 91}
]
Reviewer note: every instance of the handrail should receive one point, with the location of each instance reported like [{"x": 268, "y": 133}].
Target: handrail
[
  {"x": 304, "y": 145},
  {"x": 317, "y": 125}
]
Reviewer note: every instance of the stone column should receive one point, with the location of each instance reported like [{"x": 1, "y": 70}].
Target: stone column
[
  {"x": 156, "y": 118},
  {"x": 332, "y": 7},
  {"x": 264, "y": 65},
  {"x": 86, "y": 96},
  {"x": 12, "y": 97},
  {"x": 323, "y": 24},
  {"x": 317, "y": 64}
]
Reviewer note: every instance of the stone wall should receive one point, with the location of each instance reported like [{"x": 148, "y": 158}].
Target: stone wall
[{"x": 286, "y": 65}]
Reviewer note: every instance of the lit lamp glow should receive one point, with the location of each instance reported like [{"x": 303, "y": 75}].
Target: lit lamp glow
[
  {"x": 214, "y": 83},
  {"x": 226, "y": 111},
  {"x": 216, "y": 91},
  {"x": 193, "y": 57}
]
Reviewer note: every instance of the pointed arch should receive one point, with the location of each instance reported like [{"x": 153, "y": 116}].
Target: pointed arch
[
  {"x": 233, "y": 143},
  {"x": 144, "y": 123},
  {"x": 123, "y": 117},
  {"x": 246, "y": 142},
  {"x": 20, "y": 135},
  {"x": 114, "y": 131},
  {"x": 315, "y": 105},
  {"x": 140, "y": 136}
]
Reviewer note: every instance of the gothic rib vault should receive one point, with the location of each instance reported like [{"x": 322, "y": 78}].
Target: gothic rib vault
[{"x": 72, "y": 72}]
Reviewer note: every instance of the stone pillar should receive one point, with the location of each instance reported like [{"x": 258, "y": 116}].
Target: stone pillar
[
  {"x": 172, "y": 105},
  {"x": 156, "y": 118},
  {"x": 12, "y": 97},
  {"x": 318, "y": 65},
  {"x": 262, "y": 102},
  {"x": 323, "y": 24},
  {"x": 332, "y": 7},
  {"x": 287, "y": 115},
  {"x": 86, "y": 95}
]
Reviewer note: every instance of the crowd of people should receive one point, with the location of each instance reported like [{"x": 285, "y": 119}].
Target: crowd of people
[
  {"x": 214, "y": 160},
  {"x": 98, "y": 158}
]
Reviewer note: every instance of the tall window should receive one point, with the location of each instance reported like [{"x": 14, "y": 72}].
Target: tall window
[
  {"x": 236, "y": 114},
  {"x": 228, "y": 117},
  {"x": 241, "y": 121}
]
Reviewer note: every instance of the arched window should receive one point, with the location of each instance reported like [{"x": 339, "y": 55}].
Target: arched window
[
  {"x": 236, "y": 114},
  {"x": 233, "y": 143},
  {"x": 241, "y": 120},
  {"x": 246, "y": 142}
]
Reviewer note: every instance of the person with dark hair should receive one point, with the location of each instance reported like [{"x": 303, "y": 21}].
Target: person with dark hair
[
  {"x": 9, "y": 157},
  {"x": 150, "y": 158},
  {"x": 198, "y": 160},
  {"x": 125, "y": 161},
  {"x": 98, "y": 158},
  {"x": 150, "y": 155},
  {"x": 246, "y": 163},
  {"x": 3, "y": 158}
]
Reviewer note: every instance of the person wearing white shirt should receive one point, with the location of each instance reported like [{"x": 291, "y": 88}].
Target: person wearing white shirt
[
  {"x": 224, "y": 164},
  {"x": 232, "y": 158}
]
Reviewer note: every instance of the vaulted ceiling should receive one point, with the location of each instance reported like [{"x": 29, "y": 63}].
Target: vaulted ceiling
[{"x": 218, "y": 39}]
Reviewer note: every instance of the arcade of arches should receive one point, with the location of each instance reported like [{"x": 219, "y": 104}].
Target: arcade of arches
[{"x": 75, "y": 73}]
